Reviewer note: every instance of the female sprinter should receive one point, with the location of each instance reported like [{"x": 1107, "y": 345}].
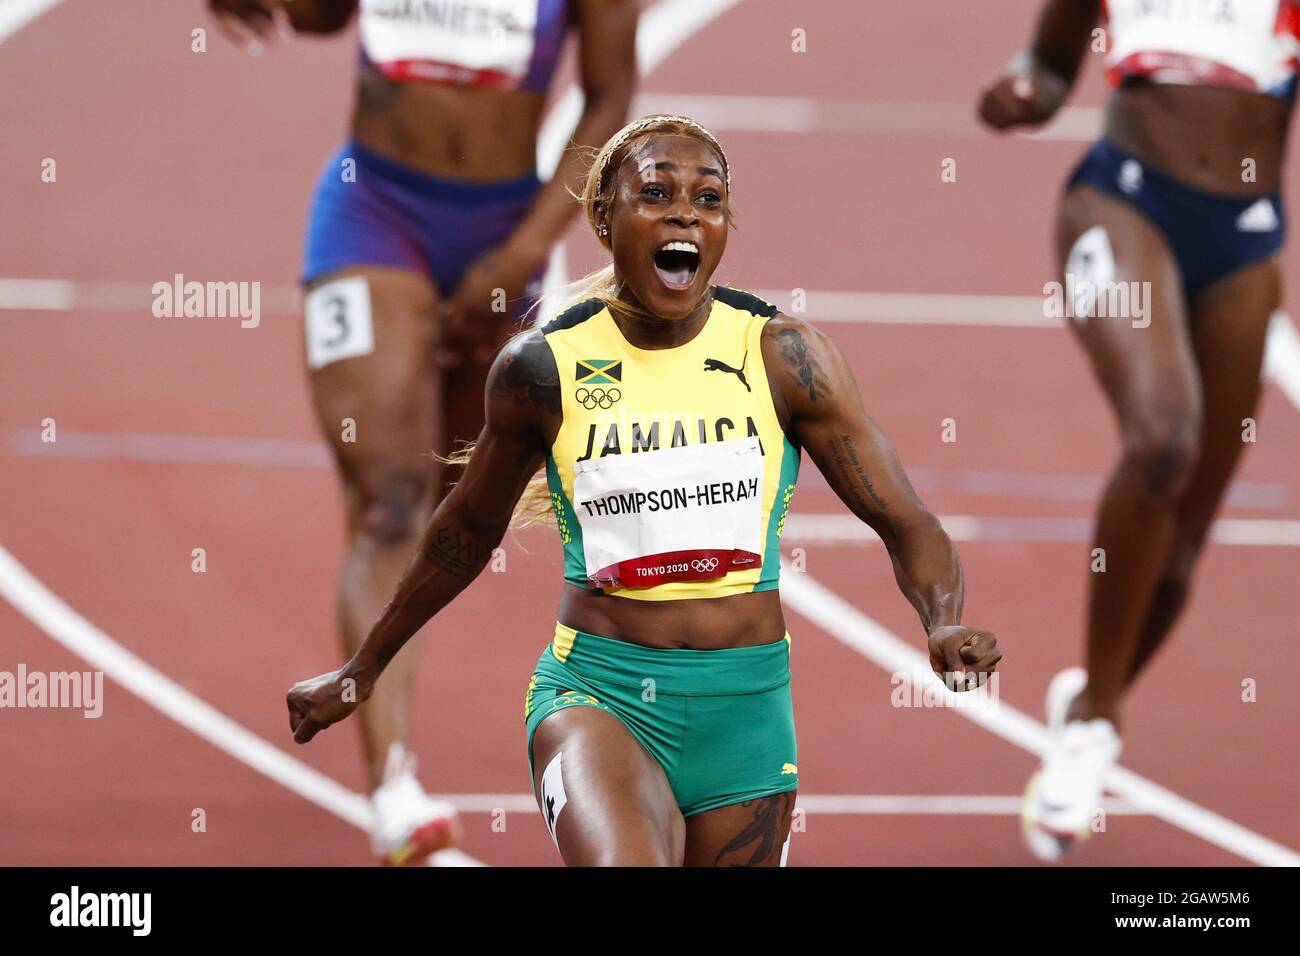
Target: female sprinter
[
  {"x": 1180, "y": 194},
  {"x": 669, "y": 415},
  {"x": 428, "y": 229}
]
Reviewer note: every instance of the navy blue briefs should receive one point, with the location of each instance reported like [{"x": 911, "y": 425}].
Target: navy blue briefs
[{"x": 1211, "y": 235}]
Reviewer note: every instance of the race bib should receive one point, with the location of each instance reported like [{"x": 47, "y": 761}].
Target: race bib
[
  {"x": 339, "y": 322},
  {"x": 480, "y": 42},
  {"x": 676, "y": 514}
]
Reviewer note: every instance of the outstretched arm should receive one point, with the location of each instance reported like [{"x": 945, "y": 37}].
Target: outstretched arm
[
  {"x": 523, "y": 409},
  {"x": 1036, "y": 84},
  {"x": 821, "y": 409}
]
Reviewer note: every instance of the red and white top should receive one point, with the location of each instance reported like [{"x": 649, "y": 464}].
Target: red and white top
[
  {"x": 501, "y": 44},
  {"x": 1244, "y": 44}
]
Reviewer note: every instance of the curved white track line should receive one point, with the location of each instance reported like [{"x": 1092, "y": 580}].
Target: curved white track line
[{"x": 16, "y": 14}]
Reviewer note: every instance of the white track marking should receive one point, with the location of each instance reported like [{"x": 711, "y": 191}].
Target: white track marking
[
  {"x": 913, "y": 308},
  {"x": 16, "y": 14},
  {"x": 846, "y": 529},
  {"x": 823, "y": 607},
  {"x": 835, "y": 804},
  {"x": 57, "y": 295},
  {"x": 800, "y": 114},
  {"x": 132, "y": 298},
  {"x": 930, "y": 805},
  {"x": 205, "y": 449},
  {"x": 53, "y": 616}
]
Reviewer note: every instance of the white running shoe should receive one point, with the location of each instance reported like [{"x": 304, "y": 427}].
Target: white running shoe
[
  {"x": 408, "y": 825},
  {"x": 1064, "y": 796}
]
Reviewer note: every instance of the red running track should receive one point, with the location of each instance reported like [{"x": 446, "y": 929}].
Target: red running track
[{"x": 171, "y": 161}]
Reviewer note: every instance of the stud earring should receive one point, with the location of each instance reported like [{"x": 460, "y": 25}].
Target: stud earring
[{"x": 603, "y": 231}]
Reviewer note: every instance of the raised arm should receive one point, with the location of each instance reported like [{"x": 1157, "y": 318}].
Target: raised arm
[
  {"x": 821, "y": 410},
  {"x": 523, "y": 412},
  {"x": 1038, "y": 81}
]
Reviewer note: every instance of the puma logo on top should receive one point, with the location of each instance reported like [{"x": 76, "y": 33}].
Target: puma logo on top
[{"x": 714, "y": 365}]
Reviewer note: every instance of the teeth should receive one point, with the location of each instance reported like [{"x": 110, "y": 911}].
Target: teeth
[{"x": 681, "y": 247}]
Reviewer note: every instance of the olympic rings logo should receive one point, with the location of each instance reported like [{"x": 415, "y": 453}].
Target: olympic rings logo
[
  {"x": 704, "y": 564},
  {"x": 591, "y": 398}
]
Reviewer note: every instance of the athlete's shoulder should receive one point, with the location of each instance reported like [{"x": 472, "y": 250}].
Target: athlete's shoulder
[
  {"x": 573, "y": 316},
  {"x": 525, "y": 373},
  {"x": 797, "y": 355},
  {"x": 791, "y": 332},
  {"x": 744, "y": 301}
]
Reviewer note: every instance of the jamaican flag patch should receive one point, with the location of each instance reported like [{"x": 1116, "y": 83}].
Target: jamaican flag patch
[{"x": 599, "y": 371}]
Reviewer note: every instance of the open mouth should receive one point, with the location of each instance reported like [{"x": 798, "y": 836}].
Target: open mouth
[{"x": 677, "y": 263}]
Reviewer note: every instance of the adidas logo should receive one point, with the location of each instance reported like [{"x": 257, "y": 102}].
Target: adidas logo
[{"x": 1258, "y": 217}]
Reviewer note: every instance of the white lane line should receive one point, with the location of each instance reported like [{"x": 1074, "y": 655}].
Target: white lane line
[
  {"x": 846, "y": 529},
  {"x": 801, "y": 115},
  {"x": 38, "y": 295},
  {"x": 128, "y": 446},
  {"x": 834, "y": 804},
  {"x": 53, "y": 616},
  {"x": 840, "y": 619},
  {"x": 913, "y": 308},
  {"x": 16, "y": 14},
  {"x": 934, "y": 805}
]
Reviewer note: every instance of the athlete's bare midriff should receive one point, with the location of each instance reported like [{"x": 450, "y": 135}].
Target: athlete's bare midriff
[
  {"x": 458, "y": 132},
  {"x": 702, "y": 624},
  {"x": 1201, "y": 135}
]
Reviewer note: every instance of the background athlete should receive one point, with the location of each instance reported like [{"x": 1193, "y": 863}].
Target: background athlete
[
  {"x": 659, "y": 719},
  {"x": 1198, "y": 219},
  {"x": 429, "y": 228}
]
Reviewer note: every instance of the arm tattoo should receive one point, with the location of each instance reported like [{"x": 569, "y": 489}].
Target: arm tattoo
[
  {"x": 765, "y": 832},
  {"x": 845, "y": 458},
  {"x": 529, "y": 375},
  {"x": 802, "y": 366},
  {"x": 455, "y": 553}
]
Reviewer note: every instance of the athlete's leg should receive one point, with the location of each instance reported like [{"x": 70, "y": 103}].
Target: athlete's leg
[
  {"x": 752, "y": 833},
  {"x": 1150, "y": 377},
  {"x": 1229, "y": 329},
  {"x": 618, "y": 809},
  {"x": 392, "y": 396}
]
